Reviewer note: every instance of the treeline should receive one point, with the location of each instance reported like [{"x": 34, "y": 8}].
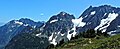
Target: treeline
[{"x": 90, "y": 33}]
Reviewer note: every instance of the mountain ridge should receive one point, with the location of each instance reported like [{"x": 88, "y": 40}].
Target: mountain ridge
[
  {"x": 14, "y": 27},
  {"x": 63, "y": 26}
]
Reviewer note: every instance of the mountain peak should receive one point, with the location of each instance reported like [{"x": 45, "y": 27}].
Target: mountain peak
[
  {"x": 62, "y": 13},
  {"x": 105, "y": 6},
  {"x": 103, "y": 9},
  {"x": 25, "y": 20},
  {"x": 107, "y": 9}
]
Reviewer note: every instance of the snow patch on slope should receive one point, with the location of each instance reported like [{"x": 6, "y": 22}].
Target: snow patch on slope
[
  {"x": 38, "y": 34},
  {"x": 105, "y": 14},
  {"x": 78, "y": 22},
  {"x": 62, "y": 34},
  {"x": 26, "y": 24},
  {"x": 118, "y": 26},
  {"x": 69, "y": 35},
  {"x": 50, "y": 38},
  {"x": 17, "y": 22},
  {"x": 92, "y": 13},
  {"x": 107, "y": 21},
  {"x": 53, "y": 21},
  {"x": 110, "y": 33},
  {"x": 74, "y": 33},
  {"x": 54, "y": 41}
]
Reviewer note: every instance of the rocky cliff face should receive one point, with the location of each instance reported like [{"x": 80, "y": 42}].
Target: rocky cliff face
[{"x": 105, "y": 18}]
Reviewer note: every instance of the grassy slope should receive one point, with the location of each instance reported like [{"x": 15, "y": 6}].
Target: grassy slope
[{"x": 92, "y": 43}]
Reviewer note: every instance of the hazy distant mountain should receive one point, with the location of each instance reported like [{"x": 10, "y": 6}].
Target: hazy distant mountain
[{"x": 14, "y": 27}]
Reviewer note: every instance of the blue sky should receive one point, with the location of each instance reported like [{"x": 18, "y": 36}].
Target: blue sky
[{"x": 42, "y": 10}]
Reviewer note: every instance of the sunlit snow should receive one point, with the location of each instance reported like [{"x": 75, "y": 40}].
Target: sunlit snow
[
  {"x": 38, "y": 34},
  {"x": 118, "y": 26},
  {"x": 92, "y": 13},
  {"x": 69, "y": 35},
  {"x": 50, "y": 38},
  {"x": 110, "y": 33},
  {"x": 62, "y": 34},
  {"x": 53, "y": 21},
  {"x": 107, "y": 21},
  {"x": 78, "y": 22},
  {"x": 17, "y": 22},
  {"x": 74, "y": 33},
  {"x": 105, "y": 14},
  {"x": 54, "y": 41},
  {"x": 25, "y": 24}
]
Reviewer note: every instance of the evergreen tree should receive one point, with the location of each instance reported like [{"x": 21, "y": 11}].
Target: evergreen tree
[{"x": 90, "y": 33}]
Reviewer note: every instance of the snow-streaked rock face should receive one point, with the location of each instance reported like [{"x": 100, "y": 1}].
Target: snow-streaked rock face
[
  {"x": 64, "y": 26},
  {"x": 54, "y": 42},
  {"x": 104, "y": 18},
  {"x": 107, "y": 21},
  {"x": 69, "y": 35},
  {"x": 58, "y": 28}
]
